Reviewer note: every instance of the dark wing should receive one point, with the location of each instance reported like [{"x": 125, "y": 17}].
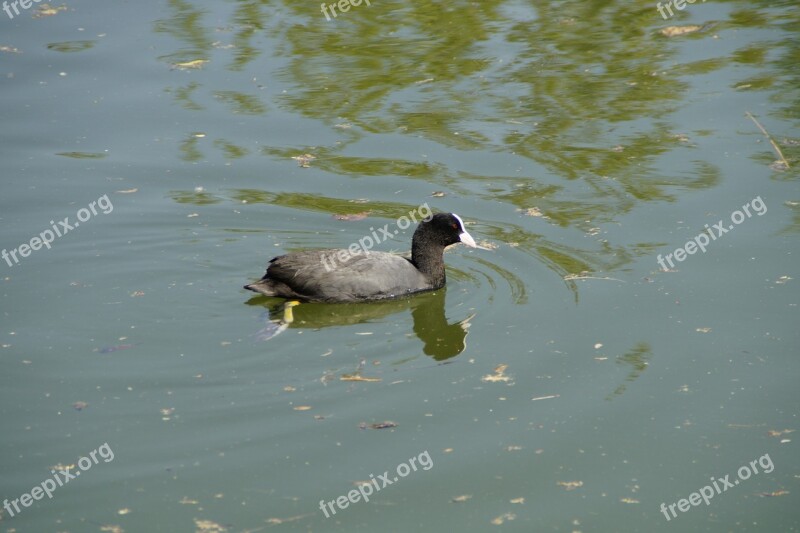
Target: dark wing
[{"x": 336, "y": 275}]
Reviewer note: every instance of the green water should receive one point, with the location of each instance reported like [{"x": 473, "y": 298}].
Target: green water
[{"x": 562, "y": 382}]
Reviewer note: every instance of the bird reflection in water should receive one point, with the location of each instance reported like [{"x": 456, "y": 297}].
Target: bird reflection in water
[{"x": 441, "y": 340}]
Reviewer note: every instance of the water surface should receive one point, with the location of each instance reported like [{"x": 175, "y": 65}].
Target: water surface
[{"x": 563, "y": 381}]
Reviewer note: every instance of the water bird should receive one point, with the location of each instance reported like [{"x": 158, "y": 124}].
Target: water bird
[{"x": 333, "y": 275}]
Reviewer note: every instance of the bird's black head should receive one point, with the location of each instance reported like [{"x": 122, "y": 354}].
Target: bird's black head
[{"x": 444, "y": 229}]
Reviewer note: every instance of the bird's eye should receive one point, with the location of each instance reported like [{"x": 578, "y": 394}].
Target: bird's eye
[{"x": 455, "y": 226}]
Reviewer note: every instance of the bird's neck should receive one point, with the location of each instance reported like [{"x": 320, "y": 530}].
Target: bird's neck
[{"x": 430, "y": 264}]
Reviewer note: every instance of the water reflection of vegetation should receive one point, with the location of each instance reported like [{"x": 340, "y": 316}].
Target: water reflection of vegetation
[
  {"x": 185, "y": 26},
  {"x": 240, "y": 103},
  {"x": 194, "y": 197},
  {"x": 230, "y": 150},
  {"x": 322, "y": 204},
  {"x": 71, "y": 46},
  {"x": 637, "y": 358},
  {"x": 583, "y": 91},
  {"x": 183, "y": 95}
]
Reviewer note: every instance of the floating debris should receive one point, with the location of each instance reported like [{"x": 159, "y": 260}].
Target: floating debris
[
  {"x": 461, "y": 499},
  {"x": 499, "y": 375},
  {"x": 518, "y": 500},
  {"x": 674, "y": 31},
  {"x": 304, "y": 160},
  {"x": 358, "y": 377},
  {"x": 487, "y": 245},
  {"x": 187, "y": 65},
  {"x": 284, "y": 520},
  {"x": 545, "y": 397},
  {"x": 222, "y": 46},
  {"x": 628, "y": 500},
  {"x": 582, "y": 275},
  {"x": 533, "y": 212},
  {"x": 128, "y": 191},
  {"x": 378, "y": 425},
  {"x": 80, "y": 406},
  {"x": 780, "y": 164},
  {"x": 570, "y": 485},
  {"x": 301, "y": 407},
  {"x": 502, "y": 518},
  {"x": 352, "y": 217},
  {"x": 46, "y": 10},
  {"x": 772, "y": 494},
  {"x": 207, "y": 526},
  {"x": 773, "y": 433}
]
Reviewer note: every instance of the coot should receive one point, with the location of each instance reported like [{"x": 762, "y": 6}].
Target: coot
[{"x": 347, "y": 276}]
